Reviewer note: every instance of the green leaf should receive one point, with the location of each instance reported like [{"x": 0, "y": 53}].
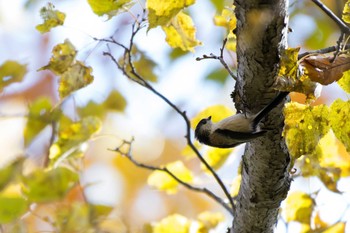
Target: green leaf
[
  {"x": 10, "y": 172},
  {"x": 109, "y": 7},
  {"x": 115, "y": 101},
  {"x": 39, "y": 117},
  {"x": 218, "y": 75},
  {"x": 51, "y": 185},
  {"x": 63, "y": 56},
  {"x": 76, "y": 77},
  {"x": 346, "y": 12},
  {"x": 339, "y": 118},
  {"x": 219, "y": 4},
  {"x": 52, "y": 18},
  {"x": 11, "y": 72},
  {"x": 12, "y": 208}
]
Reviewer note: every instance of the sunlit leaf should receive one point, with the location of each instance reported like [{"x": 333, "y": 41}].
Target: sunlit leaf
[
  {"x": 10, "y": 172},
  {"x": 12, "y": 207},
  {"x": 210, "y": 219},
  {"x": 181, "y": 33},
  {"x": 109, "y": 7},
  {"x": 336, "y": 228},
  {"x": 160, "y": 13},
  {"x": 48, "y": 185},
  {"x": 235, "y": 185},
  {"x": 163, "y": 181},
  {"x": 339, "y": 118},
  {"x": 299, "y": 207},
  {"x": 346, "y": 12},
  {"x": 227, "y": 19},
  {"x": 71, "y": 135},
  {"x": 39, "y": 116},
  {"x": 63, "y": 56},
  {"x": 76, "y": 77},
  {"x": 322, "y": 69},
  {"x": 177, "y": 53},
  {"x": 52, "y": 18},
  {"x": 304, "y": 127},
  {"x": 11, "y": 72},
  {"x": 344, "y": 82},
  {"x": 218, "y": 112},
  {"x": 143, "y": 65},
  {"x": 216, "y": 157}
]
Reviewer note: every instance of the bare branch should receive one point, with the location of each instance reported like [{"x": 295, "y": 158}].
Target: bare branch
[
  {"x": 343, "y": 27},
  {"x": 206, "y": 191},
  {"x": 322, "y": 51},
  {"x": 220, "y": 58},
  {"x": 134, "y": 76}
]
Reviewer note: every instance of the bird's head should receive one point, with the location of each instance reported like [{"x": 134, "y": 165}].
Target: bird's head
[{"x": 203, "y": 129}]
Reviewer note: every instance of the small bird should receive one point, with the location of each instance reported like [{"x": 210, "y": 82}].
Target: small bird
[{"x": 235, "y": 129}]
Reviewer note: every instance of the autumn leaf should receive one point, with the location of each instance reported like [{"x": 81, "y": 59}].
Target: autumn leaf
[
  {"x": 10, "y": 172},
  {"x": 216, "y": 157},
  {"x": 320, "y": 68},
  {"x": 76, "y": 77},
  {"x": 52, "y": 18},
  {"x": 12, "y": 207},
  {"x": 304, "y": 127},
  {"x": 235, "y": 186},
  {"x": 181, "y": 33},
  {"x": 48, "y": 185},
  {"x": 175, "y": 221},
  {"x": 63, "y": 56},
  {"x": 11, "y": 72},
  {"x": 160, "y": 13},
  {"x": 227, "y": 19},
  {"x": 210, "y": 219},
  {"x": 164, "y": 182},
  {"x": 339, "y": 118},
  {"x": 344, "y": 82},
  {"x": 346, "y": 12},
  {"x": 109, "y": 7},
  {"x": 299, "y": 207},
  {"x": 336, "y": 228}
]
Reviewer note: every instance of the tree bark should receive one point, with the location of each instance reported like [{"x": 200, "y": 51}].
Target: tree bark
[{"x": 262, "y": 27}]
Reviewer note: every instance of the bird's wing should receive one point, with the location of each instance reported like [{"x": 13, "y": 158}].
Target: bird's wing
[{"x": 240, "y": 136}]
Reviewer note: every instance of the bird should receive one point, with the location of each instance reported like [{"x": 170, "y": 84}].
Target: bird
[{"x": 236, "y": 129}]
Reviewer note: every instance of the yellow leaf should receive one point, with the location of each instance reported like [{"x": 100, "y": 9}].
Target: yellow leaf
[
  {"x": 165, "y": 182},
  {"x": 52, "y": 18},
  {"x": 63, "y": 56},
  {"x": 337, "y": 228},
  {"x": 344, "y": 82},
  {"x": 10, "y": 172},
  {"x": 236, "y": 184},
  {"x": 218, "y": 112},
  {"x": 228, "y": 20},
  {"x": 216, "y": 157},
  {"x": 346, "y": 12},
  {"x": 172, "y": 224},
  {"x": 160, "y": 12},
  {"x": 188, "y": 152},
  {"x": 210, "y": 219},
  {"x": 11, "y": 72},
  {"x": 76, "y": 77},
  {"x": 299, "y": 207},
  {"x": 339, "y": 117},
  {"x": 304, "y": 127},
  {"x": 319, "y": 223},
  {"x": 181, "y": 33},
  {"x": 12, "y": 208},
  {"x": 109, "y": 7},
  {"x": 39, "y": 117}
]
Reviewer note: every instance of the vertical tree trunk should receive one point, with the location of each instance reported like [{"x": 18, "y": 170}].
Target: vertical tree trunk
[{"x": 262, "y": 27}]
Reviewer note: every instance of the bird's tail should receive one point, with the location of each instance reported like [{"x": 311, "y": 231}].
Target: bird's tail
[{"x": 260, "y": 115}]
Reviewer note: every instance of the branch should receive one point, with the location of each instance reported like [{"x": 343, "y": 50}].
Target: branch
[
  {"x": 136, "y": 27},
  {"x": 166, "y": 170},
  {"x": 220, "y": 58},
  {"x": 335, "y": 18},
  {"x": 322, "y": 51}
]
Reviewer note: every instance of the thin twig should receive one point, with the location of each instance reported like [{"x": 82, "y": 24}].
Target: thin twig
[
  {"x": 322, "y": 51},
  {"x": 335, "y": 18},
  {"x": 220, "y": 58},
  {"x": 339, "y": 46},
  {"x": 166, "y": 170},
  {"x": 136, "y": 27}
]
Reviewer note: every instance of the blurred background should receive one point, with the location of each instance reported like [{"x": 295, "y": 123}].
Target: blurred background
[{"x": 111, "y": 179}]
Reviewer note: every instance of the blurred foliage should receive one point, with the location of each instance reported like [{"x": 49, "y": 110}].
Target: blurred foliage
[{"x": 52, "y": 194}]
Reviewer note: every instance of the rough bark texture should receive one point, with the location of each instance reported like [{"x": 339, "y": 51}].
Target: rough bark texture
[{"x": 261, "y": 35}]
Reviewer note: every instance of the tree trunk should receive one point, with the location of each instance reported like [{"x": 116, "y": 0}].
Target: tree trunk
[{"x": 262, "y": 27}]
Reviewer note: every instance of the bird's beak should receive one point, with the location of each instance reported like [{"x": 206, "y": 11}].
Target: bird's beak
[{"x": 209, "y": 118}]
